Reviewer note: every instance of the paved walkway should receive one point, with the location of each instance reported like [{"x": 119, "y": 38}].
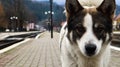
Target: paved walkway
[{"x": 42, "y": 52}]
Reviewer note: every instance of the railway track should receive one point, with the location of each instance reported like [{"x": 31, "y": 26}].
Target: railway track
[
  {"x": 10, "y": 40},
  {"x": 116, "y": 40}
]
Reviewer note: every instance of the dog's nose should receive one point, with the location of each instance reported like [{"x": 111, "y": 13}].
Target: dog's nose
[{"x": 90, "y": 49}]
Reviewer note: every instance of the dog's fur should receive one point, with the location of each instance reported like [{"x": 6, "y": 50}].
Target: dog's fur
[{"x": 88, "y": 22}]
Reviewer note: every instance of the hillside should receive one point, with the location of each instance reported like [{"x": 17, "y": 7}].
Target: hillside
[
  {"x": 39, "y": 9},
  {"x": 117, "y": 10}
]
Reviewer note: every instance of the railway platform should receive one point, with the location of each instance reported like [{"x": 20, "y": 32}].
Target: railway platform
[{"x": 41, "y": 52}]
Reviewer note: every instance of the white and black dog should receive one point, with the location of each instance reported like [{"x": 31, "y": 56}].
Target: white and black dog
[{"x": 86, "y": 36}]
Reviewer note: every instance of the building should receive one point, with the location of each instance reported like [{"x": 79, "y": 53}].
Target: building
[{"x": 116, "y": 24}]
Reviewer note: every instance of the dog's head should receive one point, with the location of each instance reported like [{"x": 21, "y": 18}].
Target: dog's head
[{"x": 90, "y": 28}]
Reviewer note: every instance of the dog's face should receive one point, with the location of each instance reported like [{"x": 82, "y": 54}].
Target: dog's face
[{"x": 90, "y": 28}]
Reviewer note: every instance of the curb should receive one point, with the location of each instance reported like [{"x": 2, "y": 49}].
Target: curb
[
  {"x": 115, "y": 48},
  {"x": 13, "y": 46},
  {"x": 39, "y": 35}
]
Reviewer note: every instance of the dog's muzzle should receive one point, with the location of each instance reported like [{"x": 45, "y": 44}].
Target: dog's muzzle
[{"x": 90, "y": 49}]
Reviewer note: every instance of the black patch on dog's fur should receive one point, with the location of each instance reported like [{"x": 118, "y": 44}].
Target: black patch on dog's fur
[
  {"x": 75, "y": 25},
  {"x": 104, "y": 26},
  {"x": 73, "y": 7}
]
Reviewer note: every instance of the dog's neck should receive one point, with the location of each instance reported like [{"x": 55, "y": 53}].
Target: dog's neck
[{"x": 95, "y": 62}]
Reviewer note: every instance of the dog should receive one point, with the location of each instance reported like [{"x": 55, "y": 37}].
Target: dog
[{"x": 86, "y": 36}]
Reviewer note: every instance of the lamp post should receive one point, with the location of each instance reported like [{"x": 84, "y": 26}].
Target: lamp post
[
  {"x": 14, "y": 23},
  {"x": 49, "y": 20},
  {"x": 51, "y": 16}
]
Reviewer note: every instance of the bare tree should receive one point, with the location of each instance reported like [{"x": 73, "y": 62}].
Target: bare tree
[
  {"x": 3, "y": 23},
  {"x": 16, "y": 8}
]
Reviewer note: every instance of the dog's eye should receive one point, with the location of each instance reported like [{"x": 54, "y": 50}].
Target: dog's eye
[
  {"x": 80, "y": 29},
  {"x": 100, "y": 29}
]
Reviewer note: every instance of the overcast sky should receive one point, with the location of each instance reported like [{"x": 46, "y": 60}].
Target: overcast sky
[
  {"x": 63, "y": 1},
  {"x": 57, "y": 1},
  {"x": 118, "y": 2}
]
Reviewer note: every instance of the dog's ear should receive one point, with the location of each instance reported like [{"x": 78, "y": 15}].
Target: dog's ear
[
  {"x": 73, "y": 6},
  {"x": 107, "y": 7}
]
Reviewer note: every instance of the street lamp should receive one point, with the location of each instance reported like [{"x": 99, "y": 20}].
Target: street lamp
[
  {"x": 49, "y": 12},
  {"x": 49, "y": 20},
  {"x": 14, "y": 23},
  {"x": 46, "y": 13}
]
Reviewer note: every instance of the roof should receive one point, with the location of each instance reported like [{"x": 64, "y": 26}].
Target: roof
[{"x": 117, "y": 18}]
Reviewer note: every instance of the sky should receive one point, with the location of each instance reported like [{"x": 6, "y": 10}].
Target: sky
[
  {"x": 63, "y": 1},
  {"x": 118, "y": 2},
  {"x": 57, "y": 1}
]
